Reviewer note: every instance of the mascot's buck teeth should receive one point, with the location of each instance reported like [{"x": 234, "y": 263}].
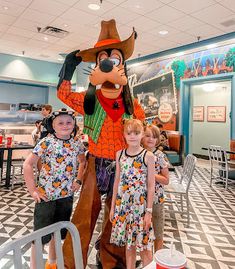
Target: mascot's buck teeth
[
  {"x": 98, "y": 87},
  {"x": 117, "y": 86}
]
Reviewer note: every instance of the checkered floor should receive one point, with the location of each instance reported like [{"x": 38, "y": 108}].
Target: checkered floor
[{"x": 209, "y": 241}]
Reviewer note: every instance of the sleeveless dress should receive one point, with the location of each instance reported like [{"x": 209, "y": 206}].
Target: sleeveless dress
[{"x": 128, "y": 222}]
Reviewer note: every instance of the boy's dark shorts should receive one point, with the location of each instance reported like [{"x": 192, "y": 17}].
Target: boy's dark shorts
[{"x": 47, "y": 213}]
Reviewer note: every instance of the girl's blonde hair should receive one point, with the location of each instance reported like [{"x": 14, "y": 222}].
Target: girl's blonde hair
[
  {"x": 155, "y": 131},
  {"x": 133, "y": 125}
]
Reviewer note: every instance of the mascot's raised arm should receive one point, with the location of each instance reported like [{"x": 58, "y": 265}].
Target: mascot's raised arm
[{"x": 104, "y": 105}]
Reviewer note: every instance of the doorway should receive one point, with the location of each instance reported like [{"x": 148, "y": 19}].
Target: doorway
[{"x": 210, "y": 116}]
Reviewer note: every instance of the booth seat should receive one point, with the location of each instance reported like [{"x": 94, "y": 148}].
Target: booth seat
[{"x": 175, "y": 153}]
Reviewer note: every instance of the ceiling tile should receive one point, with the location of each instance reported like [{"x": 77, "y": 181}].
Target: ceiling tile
[
  {"x": 13, "y": 9},
  {"x": 7, "y": 19},
  {"x": 121, "y": 15},
  {"x": 77, "y": 16},
  {"x": 18, "y": 24},
  {"x": 104, "y": 7},
  {"x": 210, "y": 13},
  {"x": 49, "y": 38},
  {"x": 27, "y": 24},
  {"x": 37, "y": 16},
  {"x": 229, "y": 4},
  {"x": 3, "y": 27},
  {"x": 37, "y": 44},
  {"x": 117, "y": 2},
  {"x": 49, "y": 7},
  {"x": 186, "y": 22},
  {"x": 68, "y": 2},
  {"x": 164, "y": 27},
  {"x": 182, "y": 38},
  {"x": 16, "y": 38},
  {"x": 222, "y": 27},
  {"x": 204, "y": 31},
  {"x": 140, "y": 7},
  {"x": 165, "y": 14},
  {"x": 191, "y": 6},
  {"x": 144, "y": 24},
  {"x": 23, "y": 3},
  {"x": 20, "y": 32}
]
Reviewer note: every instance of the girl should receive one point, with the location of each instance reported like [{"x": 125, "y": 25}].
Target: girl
[
  {"x": 133, "y": 193},
  {"x": 150, "y": 141}
]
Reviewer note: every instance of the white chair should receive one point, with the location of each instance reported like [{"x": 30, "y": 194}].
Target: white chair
[
  {"x": 181, "y": 188},
  {"x": 219, "y": 165},
  {"x": 17, "y": 245}
]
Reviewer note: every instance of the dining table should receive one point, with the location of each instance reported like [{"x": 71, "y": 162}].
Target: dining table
[{"x": 10, "y": 150}]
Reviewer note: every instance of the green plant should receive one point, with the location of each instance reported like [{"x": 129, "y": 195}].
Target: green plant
[
  {"x": 178, "y": 67},
  {"x": 230, "y": 58}
]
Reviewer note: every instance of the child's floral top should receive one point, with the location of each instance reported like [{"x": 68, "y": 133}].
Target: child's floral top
[
  {"x": 128, "y": 221},
  {"x": 161, "y": 162},
  {"x": 59, "y": 165}
]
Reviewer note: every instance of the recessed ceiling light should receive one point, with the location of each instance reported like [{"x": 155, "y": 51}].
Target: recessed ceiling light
[
  {"x": 45, "y": 38},
  {"x": 6, "y": 8},
  {"x": 94, "y": 6},
  {"x": 163, "y": 32},
  {"x": 65, "y": 25},
  {"x": 60, "y": 59},
  {"x": 137, "y": 6}
]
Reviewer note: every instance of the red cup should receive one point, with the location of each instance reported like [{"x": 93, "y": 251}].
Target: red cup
[
  {"x": 9, "y": 140},
  {"x": 1, "y": 139}
]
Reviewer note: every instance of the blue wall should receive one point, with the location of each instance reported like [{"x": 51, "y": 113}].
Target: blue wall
[{"x": 28, "y": 69}]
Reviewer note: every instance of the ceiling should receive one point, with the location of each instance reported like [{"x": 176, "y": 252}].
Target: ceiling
[{"x": 185, "y": 21}]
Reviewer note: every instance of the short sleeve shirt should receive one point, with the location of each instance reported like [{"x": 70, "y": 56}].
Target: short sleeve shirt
[
  {"x": 161, "y": 162},
  {"x": 59, "y": 165}
]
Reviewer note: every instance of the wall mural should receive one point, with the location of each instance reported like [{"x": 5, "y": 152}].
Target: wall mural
[{"x": 147, "y": 80}]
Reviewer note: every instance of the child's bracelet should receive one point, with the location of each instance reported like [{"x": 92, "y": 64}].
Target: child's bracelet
[
  {"x": 78, "y": 181},
  {"x": 149, "y": 210}
]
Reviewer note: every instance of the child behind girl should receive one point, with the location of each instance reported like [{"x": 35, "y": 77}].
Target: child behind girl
[
  {"x": 150, "y": 141},
  {"x": 133, "y": 193}
]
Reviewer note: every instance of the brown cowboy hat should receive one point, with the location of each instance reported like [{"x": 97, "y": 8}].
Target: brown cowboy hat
[{"x": 109, "y": 39}]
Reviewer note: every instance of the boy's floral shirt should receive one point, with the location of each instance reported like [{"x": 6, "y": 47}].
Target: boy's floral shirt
[
  {"x": 59, "y": 165},
  {"x": 161, "y": 162}
]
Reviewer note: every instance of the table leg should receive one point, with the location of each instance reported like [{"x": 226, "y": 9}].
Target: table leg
[
  {"x": 8, "y": 171},
  {"x": 1, "y": 160}
]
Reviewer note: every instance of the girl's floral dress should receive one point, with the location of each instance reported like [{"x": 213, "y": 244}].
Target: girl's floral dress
[{"x": 128, "y": 222}]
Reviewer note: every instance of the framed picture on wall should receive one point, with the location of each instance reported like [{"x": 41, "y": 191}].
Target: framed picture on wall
[
  {"x": 216, "y": 113},
  {"x": 157, "y": 96},
  {"x": 198, "y": 113}
]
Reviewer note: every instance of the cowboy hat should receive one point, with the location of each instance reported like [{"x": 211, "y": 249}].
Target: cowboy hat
[{"x": 109, "y": 39}]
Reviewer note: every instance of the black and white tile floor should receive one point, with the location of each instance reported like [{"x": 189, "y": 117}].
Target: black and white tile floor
[{"x": 209, "y": 241}]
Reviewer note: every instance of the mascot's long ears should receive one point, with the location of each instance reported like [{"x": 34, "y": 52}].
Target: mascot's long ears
[{"x": 89, "y": 100}]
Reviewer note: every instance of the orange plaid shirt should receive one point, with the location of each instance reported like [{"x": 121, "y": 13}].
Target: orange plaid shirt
[{"x": 111, "y": 136}]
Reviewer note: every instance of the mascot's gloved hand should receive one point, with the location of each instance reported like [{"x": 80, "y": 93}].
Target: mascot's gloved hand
[{"x": 69, "y": 66}]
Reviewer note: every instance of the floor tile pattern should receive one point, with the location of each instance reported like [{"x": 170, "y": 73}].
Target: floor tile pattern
[{"x": 208, "y": 242}]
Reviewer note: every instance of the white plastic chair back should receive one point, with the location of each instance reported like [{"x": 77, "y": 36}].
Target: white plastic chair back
[
  {"x": 188, "y": 169},
  {"x": 36, "y": 237}
]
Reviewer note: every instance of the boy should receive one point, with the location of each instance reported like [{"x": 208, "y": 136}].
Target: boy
[
  {"x": 46, "y": 111},
  {"x": 53, "y": 194},
  {"x": 36, "y": 133}
]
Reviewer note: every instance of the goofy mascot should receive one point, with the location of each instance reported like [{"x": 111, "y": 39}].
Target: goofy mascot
[{"x": 104, "y": 106}]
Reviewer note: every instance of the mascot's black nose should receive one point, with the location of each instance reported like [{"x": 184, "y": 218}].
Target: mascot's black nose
[{"x": 106, "y": 66}]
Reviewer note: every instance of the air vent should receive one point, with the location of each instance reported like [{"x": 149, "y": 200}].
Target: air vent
[
  {"x": 53, "y": 31},
  {"x": 228, "y": 23}
]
